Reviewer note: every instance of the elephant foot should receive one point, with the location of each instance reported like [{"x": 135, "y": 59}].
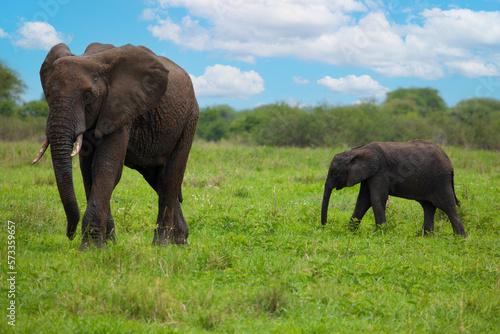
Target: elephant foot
[
  {"x": 354, "y": 224},
  {"x": 427, "y": 231},
  {"x": 459, "y": 230},
  {"x": 93, "y": 239},
  {"x": 164, "y": 237},
  {"x": 86, "y": 245}
]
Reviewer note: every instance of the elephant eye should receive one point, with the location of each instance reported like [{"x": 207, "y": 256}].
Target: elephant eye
[{"x": 88, "y": 97}]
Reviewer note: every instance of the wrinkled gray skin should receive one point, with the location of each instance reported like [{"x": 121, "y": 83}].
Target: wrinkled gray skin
[
  {"x": 130, "y": 107},
  {"x": 417, "y": 170}
]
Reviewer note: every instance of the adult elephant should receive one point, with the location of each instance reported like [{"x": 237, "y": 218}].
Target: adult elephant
[
  {"x": 418, "y": 170},
  {"x": 118, "y": 106}
]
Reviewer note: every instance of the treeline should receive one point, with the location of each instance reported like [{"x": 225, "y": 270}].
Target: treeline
[
  {"x": 405, "y": 114},
  {"x": 19, "y": 120}
]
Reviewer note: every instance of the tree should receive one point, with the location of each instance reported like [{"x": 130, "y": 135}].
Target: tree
[
  {"x": 476, "y": 122},
  {"x": 478, "y": 108},
  {"x": 10, "y": 89},
  {"x": 35, "y": 108},
  {"x": 10, "y": 85},
  {"x": 214, "y": 123},
  {"x": 423, "y": 101},
  {"x": 8, "y": 107}
]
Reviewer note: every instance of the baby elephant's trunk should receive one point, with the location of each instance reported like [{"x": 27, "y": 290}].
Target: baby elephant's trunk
[{"x": 326, "y": 201}]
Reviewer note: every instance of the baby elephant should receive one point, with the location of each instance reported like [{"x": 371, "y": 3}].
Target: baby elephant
[{"x": 418, "y": 170}]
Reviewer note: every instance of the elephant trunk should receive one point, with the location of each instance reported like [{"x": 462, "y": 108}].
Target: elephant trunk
[
  {"x": 61, "y": 160},
  {"x": 61, "y": 135},
  {"x": 326, "y": 201}
]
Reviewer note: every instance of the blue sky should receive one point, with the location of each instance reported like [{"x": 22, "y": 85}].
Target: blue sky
[{"x": 245, "y": 53}]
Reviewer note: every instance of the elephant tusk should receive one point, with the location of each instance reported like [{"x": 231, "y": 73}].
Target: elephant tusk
[
  {"x": 78, "y": 145},
  {"x": 42, "y": 151}
]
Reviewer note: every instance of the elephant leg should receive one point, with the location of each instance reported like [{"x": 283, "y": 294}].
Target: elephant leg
[
  {"x": 429, "y": 211},
  {"x": 106, "y": 171},
  {"x": 171, "y": 225},
  {"x": 379, "y": 195},
  {"x": 86, "y": 159},
  {"x": 363, "y": 203},
  {"x": 449, "y": 207},
  {"x": 456, "y": 222},
  {"x": 153, "y": 177}
]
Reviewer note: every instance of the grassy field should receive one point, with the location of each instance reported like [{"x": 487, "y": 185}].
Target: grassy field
[{"x": 258, "y": 259}]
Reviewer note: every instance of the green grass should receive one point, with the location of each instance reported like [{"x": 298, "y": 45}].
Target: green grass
[{"x": 258, "y": 259}]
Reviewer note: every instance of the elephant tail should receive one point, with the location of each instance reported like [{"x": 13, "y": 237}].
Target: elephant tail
[{"x": 457, "y": 202}]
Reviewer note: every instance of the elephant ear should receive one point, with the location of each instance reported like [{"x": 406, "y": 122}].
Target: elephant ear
[
  {"x": 58, "y": 51},
  {"x": 364, "y": 164},
  {"x": 137, "y": 81}
]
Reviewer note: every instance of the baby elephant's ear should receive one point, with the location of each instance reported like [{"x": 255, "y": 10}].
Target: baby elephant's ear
[
  {"x": 364, "y": 164},
  {"x": 137, "y": 82}
]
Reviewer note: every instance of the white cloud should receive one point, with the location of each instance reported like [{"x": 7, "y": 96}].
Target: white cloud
[
  {"x": 149, "y": 14},
  {"x": 38, "y": 36},
  {"x": 252, "y": 27},
  {"x": 3, "y": 34},
  {"x": 463, "y": 26},
  {"x": 228, "y": 82},
  {"x": 472, "y": 69},
  {"x": 341, "y": 33},
  {"x": 189, "y": 33},
  {"x": 300, "y": 81},
  {"x": 362, "y": 86}
]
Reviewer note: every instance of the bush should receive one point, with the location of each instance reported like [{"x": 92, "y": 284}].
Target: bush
[
  {"x": 405, "y": 115},
  {"x": 284, "y": 125},
  {"x": 35, "y": 108},
  {"x": 214, "y": 123},
  {"x": 8, "y": 108},
  {"x": 22, "y": 128},
  {"x": 475, "y": 123},
  {"x": 424, "y": 101}
]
